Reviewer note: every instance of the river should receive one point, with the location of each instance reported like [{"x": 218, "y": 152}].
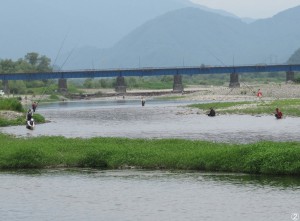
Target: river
[
  {"x": 158, "y": 119},
  {"x": 145, "y": 195},
  {"x": 86, "y": 194}
]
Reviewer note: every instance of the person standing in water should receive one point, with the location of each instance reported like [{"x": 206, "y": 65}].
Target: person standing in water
[
  {"x": 143, "y": 101},
  {"x": 278, "y": 113},
  {"x": 29, "y": 115},
  {"x": 212, "y": 112},
  {"x": 34, "y": 106}
]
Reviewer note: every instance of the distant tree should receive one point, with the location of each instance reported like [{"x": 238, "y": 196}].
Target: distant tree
[
  {"x": 103, "y": 83},
  {"x": 88, "y": 83},
  {"x": 7, "y": 66},
  {"x": 32, "y": 58},
  {"x": 44, "y": 64},
  {"x": 17, "y": 87},
  {"x": 32, "y": 62}
]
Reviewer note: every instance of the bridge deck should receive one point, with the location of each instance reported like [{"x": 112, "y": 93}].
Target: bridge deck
[{"x": 149, "y": 72}]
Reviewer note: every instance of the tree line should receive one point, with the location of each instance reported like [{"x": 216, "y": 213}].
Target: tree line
[{"x": 32, "y": 62}]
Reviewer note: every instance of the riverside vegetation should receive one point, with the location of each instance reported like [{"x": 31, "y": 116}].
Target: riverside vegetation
[
  {"x": 17, "y": 113},
  {"x": 280, "y": 158}
]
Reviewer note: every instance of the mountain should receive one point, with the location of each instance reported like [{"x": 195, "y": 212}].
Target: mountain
[
  {"x": 191, "y": 36},
  {"x": 41, "y": 25},
  {"x": 295, "y": 58},
  {"x": 44, "y": 26},
  {"x": 183, "y": 36}
]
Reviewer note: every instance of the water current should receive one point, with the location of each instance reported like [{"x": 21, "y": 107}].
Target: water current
[
  {"x": 158, "y": 119},
  {"x": 145, "y": 195}
]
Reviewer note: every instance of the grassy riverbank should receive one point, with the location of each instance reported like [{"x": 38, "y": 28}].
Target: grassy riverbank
[
  {"x": 12, "y": 113},
  {"x": 112, "y": 153},
  {"x": 289, "y": 107}
]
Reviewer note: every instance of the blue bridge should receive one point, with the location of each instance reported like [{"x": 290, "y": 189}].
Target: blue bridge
[{"x": 177, "y": 72}]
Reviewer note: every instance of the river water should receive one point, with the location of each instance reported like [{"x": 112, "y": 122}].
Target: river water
[
  {"x": 145, "y": 195},
  {"x": 158, "y": 119},
  {"x": 77, "y": 194}
]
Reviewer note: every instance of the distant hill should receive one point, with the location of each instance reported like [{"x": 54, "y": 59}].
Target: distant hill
[
  {"x": 295, "y": 58},
  {"x": 42, "y": 25},
  {"x": 192, "y": 36}
]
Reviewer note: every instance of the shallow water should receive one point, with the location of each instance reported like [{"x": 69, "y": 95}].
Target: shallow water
[
  {"x": 158, "y": 119},
  {"x": 145, "y": 195}
]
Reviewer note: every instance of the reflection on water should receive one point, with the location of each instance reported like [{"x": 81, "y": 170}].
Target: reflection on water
[
  {"x": 158, "y": 119},
  {"x": 145, "y": 195}
]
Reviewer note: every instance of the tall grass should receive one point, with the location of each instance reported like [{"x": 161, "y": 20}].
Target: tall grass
[
  {"x": 45, "y": 152},
  {"x": 12, "y": 104}
]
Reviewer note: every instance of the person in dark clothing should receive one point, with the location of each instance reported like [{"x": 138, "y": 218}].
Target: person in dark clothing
[
  {"x": 29, "y": 120},
  {"x": 34, "y": 106},
  {"x": 212, "y": 112},
  {"x": 143, "y": 101},
  {"x": 278, "y": 114},
  {"x": 29, "y": 115}
]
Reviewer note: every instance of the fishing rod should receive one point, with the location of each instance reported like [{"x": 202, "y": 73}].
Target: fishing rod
[
  {"x": 61, "y": 46},
  {"x": 65, "y": 61}
]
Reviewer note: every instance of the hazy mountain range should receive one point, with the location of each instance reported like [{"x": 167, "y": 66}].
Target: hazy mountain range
[{"x": 143, "y": 33}]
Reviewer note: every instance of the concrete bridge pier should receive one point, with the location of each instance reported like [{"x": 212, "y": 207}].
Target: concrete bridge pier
[
  {"x": 177, "y": 84},
  {"x": 120, "y": 85},
  {"x": 62, "y": 85},
  {"x": 290, "y": 76},
  {"x": 234, "y": 80},
  {"x": 5, "y": 86}
]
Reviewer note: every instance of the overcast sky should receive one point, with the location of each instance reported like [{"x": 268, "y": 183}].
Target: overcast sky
[{"x": 250, "y": 8}]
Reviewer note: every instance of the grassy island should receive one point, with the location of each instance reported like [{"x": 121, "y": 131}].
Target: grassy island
[{"x": 280, "y": 158}]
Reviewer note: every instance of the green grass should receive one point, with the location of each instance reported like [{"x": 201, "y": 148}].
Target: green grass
[
  {"x": 21, "y": 120},
  {"x": 6, "y": 122},
  {"x": 289, "y": 107},
  {"x": 50, "y": 152},
  {"x": 12, "y": 104}
]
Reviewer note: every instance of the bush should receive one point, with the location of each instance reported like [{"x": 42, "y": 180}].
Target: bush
[{"x": 11, "y": 104}]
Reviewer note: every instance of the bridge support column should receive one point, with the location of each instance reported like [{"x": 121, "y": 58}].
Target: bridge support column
[
  {"x": 177, "y": 84},
  {"x": 290, "y": 76},
  {"x": 5, "y": 86},
  {"x": 234, "y": 80},
  {"x": 62, "y": 85},
  {"x": 120, "y": 85}
]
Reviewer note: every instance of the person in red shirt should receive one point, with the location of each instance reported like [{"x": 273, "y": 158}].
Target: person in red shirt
[
  {"x": 278, "y": 114},
  {"x": 259, "y": 93}
]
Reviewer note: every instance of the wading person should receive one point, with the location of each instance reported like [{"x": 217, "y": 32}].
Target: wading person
[
  {"x": 29, "y": 115},
  {"x": 34, "y": 106},
  {"x": 278, "y": 113},
  {"x": 212, "y": 112},
  {"x": 29, "y": 120},
  {"x": 143, "y": 101}
]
